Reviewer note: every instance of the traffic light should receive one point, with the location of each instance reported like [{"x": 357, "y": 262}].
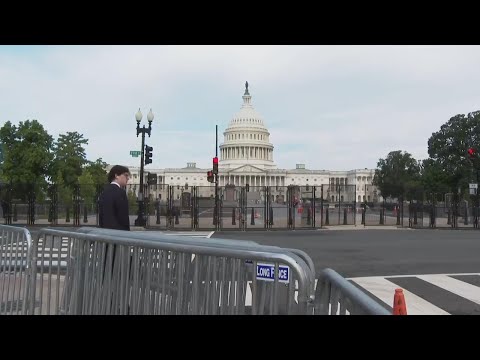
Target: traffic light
[
  {"x": 471, "y": 153},
  {"x": 215, "y": 165},
  {"x": 148, "y": 154},
  {"x": 151, "y": 179},
  {"x": 210, "y": 177}
]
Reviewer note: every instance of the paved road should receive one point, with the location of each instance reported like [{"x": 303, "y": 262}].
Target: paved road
[{"x": 439, "y": 270}]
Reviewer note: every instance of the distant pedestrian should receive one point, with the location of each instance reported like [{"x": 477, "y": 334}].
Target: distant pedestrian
[{"x": 113, "y": 202}]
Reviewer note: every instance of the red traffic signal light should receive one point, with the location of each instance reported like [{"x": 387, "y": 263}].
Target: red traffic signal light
[
  {"x": 215, "y": 165},
  {"x": 471, "y": 153},
  {"x": 210, "y": 177}
]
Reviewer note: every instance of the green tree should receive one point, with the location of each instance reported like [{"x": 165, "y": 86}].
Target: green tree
[
  {"x": 70, "y": 158},
  {"x": 434, "y": 177},
  {"x": 397, "y": 174},
  {"x": 27, "y": 154},
  {"x": 64, "y": 192},
  {"x": 97, "y": 171},
  {"x": 132, "y": 202},
  {"x": 87, "y": 187},
  {"x": 448, "y": 148}
]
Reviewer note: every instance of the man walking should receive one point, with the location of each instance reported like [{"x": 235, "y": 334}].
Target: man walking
[{"x": 113, "y": 202}]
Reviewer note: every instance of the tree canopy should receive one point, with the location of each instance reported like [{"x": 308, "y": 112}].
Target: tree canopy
[
  {"x": 398, "y": 173},
  {"x": 30, "y": 156},
  {"x": 448, "y": 149}
]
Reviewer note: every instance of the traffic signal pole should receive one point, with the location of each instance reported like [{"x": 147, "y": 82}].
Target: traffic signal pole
[
  {"x": 141, "y": 220},
  {"x": 217, "y": 222},
  {"x": 473, "y": 156}
]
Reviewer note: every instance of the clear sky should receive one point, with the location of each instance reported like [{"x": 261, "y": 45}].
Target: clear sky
[{"x": 329, "y": 107}]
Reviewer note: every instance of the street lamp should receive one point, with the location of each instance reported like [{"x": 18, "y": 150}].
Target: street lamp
[{"x": 141, "y": 221}]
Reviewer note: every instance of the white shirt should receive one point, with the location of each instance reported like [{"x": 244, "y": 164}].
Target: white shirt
[{"x": 113, "y": 182}]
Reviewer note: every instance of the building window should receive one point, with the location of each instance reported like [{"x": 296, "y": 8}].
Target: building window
[
  {"x": 307, "y": 179},
  {"x": 178, "y": 178},
  {"x": 194, "y": 178},
  {"x": 171, "y": 178},
  {"x": 186, "y": 178},
  {"x": 314, "y": 179},
  {"x": 134, "y": 176}
]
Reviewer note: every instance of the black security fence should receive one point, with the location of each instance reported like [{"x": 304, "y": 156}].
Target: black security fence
[{"x": 241, "y": 207}]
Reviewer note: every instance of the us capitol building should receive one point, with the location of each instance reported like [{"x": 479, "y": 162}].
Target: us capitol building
[{"x": 246, "y": 157}]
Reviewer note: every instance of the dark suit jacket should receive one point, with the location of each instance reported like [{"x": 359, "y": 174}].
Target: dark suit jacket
[{"x": 113, "y": 208}]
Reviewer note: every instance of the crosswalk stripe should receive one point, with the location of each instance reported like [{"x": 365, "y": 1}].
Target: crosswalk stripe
[
  {"x": 385, "y": 290},
  {"x": 458, "y": 287}
]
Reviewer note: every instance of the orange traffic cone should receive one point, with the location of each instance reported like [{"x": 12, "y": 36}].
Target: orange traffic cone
[{"x": 399, "y": 305}]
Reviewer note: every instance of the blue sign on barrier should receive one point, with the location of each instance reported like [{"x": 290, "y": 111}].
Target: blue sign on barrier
[{"x": 266, "y": 272}]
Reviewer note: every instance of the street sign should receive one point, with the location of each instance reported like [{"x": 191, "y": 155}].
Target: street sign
[
  {"x": 473, "y": 189},
  {"x": 135, "y": 153},
  {"x": 266, "y": 272}
]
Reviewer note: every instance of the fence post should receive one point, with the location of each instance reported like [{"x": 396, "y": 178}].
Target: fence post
[
  {"x": 415, "y": 208},
  {"x": 233, "y": 216},
  {"x": 85, "y": 219},
  {"x": 345, "y": 216},
  {"x": 252, "y": 220}
]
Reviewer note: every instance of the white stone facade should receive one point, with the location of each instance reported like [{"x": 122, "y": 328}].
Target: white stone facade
[{"x": 246, "y": 157}]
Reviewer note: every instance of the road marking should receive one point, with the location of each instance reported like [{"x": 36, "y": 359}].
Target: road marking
[
  {"x": 458, "y": 287},
  {"x": 385, "y": 290}
]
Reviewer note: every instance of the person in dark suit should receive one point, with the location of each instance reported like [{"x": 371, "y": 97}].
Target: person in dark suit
[
  {"x": 113, "y": 214},
  {"x": 113, "y": 202}
]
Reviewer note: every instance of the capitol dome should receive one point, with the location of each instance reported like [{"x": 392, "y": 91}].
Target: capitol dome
[{"x": 246, "y": 139}]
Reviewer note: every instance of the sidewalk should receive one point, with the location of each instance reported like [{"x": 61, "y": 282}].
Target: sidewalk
[{"x": 361, "y": 227}]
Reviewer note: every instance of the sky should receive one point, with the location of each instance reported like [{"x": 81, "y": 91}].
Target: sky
[{"x": 328, "y": 107}]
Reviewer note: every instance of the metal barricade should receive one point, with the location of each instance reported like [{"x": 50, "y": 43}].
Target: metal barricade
[
  {"x": 15, "y": 244},
  {"x": 120, "y": 275},
  {"x": 335, "y": 295},
  {"x": 238, "y": 244}
]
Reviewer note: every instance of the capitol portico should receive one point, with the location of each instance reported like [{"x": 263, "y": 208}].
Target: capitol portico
[{"x": 246, "y": 156}]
